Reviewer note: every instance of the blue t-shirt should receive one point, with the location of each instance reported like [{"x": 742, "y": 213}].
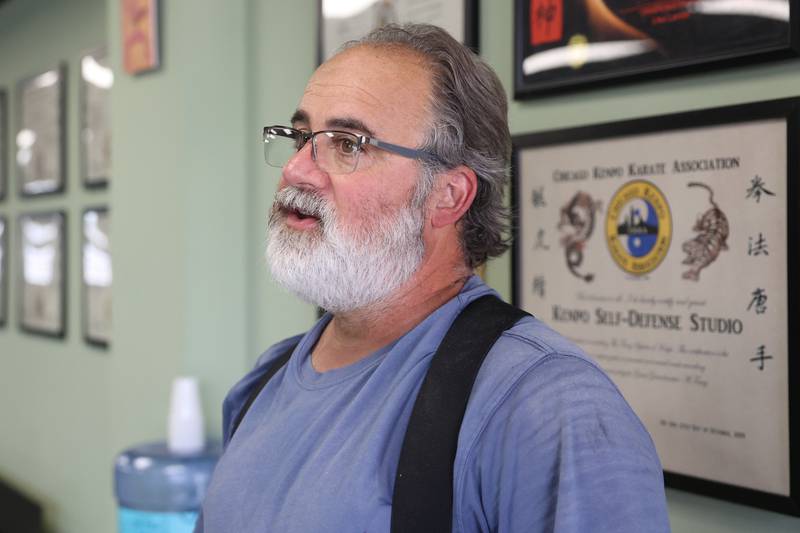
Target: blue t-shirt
[{"x": 547, "y": 442}]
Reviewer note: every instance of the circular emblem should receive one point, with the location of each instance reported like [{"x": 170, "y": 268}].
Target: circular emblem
[{"x": 638, "y": 227}]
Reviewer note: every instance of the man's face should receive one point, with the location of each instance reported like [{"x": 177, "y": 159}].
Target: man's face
[
  {"x": 378, "y": 92},
  {"x": 354, "y": 233}
]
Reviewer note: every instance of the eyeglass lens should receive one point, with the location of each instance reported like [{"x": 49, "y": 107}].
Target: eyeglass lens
[{"x": 334, "y": 152}]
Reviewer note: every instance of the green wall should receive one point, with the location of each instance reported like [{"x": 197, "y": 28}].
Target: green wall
[
  {"x": 189, "y": 202},
  {"x": 54, "y": 410}
]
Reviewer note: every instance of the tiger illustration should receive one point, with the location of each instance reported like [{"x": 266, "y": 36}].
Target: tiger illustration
[{"x": 713, "y": 231}]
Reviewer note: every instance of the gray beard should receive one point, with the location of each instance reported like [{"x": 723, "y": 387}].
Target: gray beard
[{"x": 338, "y": 270}]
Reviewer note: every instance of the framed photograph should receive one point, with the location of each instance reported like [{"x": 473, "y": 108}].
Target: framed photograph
[
  {"x": 665, "y": 247},
  {"x": 41, "y": 146},
  {"x": 3, "y": 271},
  {"x": 563, "y": 45},
  {"x": 141, "y": 39},
  {"x": 3, "y": 143},
  {"x": 97, "y": 276},
  {"x": 42, "y": 273},
  {"x": 97, "y": 79},
  {"x": 341, "y": 21}
]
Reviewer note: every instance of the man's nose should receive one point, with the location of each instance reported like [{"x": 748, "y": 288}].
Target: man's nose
[{"x": 301, "y": 170}]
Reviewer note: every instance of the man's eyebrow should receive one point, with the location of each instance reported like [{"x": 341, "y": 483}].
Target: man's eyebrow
[
  {"x": 300, "y": 116},
  {"x": 349, "y": 123}
]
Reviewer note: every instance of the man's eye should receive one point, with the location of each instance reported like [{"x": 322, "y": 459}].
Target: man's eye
[{"x": 345, "y": 145}]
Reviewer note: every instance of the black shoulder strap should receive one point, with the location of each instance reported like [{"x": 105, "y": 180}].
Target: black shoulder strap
[
  {"x": 261, "y": 383},
  {"x": 423, "y": 489}
]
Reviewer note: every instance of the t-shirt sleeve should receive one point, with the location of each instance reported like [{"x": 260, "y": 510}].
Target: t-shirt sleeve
[{"x": 563, "y": 452}]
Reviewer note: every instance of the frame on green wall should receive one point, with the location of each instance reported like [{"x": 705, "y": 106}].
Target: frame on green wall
[
  {"x": 3, "y": 270},
  {"x": 96, "y": 80},
  {"x": 42, "y": 273},
  {"x": 355, "y": 24},
  {"x": 41, "y": 152},
  {"x": 3, "y": 143},
  {"x": 96, "y": 275},
  {"x": 666, "y": 248},
  {"x": 582, "y": 44}
]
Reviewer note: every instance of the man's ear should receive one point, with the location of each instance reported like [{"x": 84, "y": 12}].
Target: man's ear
[{"x": 454, "y": 195}]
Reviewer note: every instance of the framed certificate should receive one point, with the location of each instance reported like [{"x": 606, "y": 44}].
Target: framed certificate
[
  {"x": 665, "y": 247},
  {"x": 3, "y": 271},
  {"x": 96, "y": 82},
  {"x": 3, "y": 143},
  {"x": 97, "y": 276},
  {"x": 341, "y": 21},
  {"x": 42, "y": 291},
  {"x": 570, "y": 44},
  {"x": 41, "y": 150}
]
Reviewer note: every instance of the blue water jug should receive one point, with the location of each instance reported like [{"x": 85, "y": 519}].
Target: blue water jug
[
  {"x": 160, "y": 485},
  {"x": 159, "y": 491}
]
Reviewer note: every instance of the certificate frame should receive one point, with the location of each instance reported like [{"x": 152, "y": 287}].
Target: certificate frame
[
  {"x": 3, "y": 143},
  {"x": 632, "y": 135},
  {"x": 586, "y": 44},
  {"x": 4, "y": 243},
  {"x": 42, "y": 306},
  {"x": 96, "y": 297},
  {"x": 470, "y": 16},
  {"x": 96, "y": 80},
  {"x": 41, "y": 153}
]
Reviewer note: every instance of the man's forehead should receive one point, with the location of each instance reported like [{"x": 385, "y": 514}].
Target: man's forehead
[{"x": 377, "y": 86}]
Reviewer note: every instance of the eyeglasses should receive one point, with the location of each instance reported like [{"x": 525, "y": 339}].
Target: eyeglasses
[{"x": 335, "y": 152}]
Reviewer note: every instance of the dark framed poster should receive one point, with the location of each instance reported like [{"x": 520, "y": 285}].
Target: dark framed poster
[
  {"x": 97, "y": 79},
  {"x": 3, "y": 271},
  {"x": 571, "y": 44},
  {"x": 41, "y": 145},
  {"x": 665, "y": 247},
  {"x": 42, "y": 294},
  {"x": 97, "y": 276},
  {"x": 346, "y": 20},
  {"x": 3, "y": 143}
]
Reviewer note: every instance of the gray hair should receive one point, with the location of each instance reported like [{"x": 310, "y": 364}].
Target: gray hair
[{"x": 469, "y": 127}]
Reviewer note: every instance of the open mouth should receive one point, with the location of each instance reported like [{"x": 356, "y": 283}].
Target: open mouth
[{"x": 298, "y": 217}]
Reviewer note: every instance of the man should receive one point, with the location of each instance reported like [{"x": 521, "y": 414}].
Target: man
[{"x": 391, "y": 193}]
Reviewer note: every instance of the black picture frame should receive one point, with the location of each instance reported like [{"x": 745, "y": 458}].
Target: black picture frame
[
  {"x": 593, "y": 43},
  {"x": 471, "y": 28},
  {"x": 3, "y": 143},
  {"x": 56, "y": 328},
  {"x": 4, "y": 246},
  {"x": 56, "y": 151},
  {"x": 569, "y": 140},
  {"x": 95, "y": 74},
  {"x": 89, "y": 301}
]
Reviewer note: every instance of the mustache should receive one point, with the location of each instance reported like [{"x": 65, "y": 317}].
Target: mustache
[{"x": 310, "y": 203}]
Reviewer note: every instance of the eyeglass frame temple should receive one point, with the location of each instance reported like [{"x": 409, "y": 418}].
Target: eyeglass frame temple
[{"x": 410, "y": 153}]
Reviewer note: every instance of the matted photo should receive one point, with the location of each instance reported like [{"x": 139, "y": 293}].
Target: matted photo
[
  {"x": 570, "y": 44},
  {"x": 42, "y": 273},
  {"x": 3, "y": 143},
  {"x": 3, "y": 270},
  {"x": 97, "y": 276},
  {"x": 40, "y": 138},
  {"x": 97, "y": 79},
  {"x": 664, "y": 247},
  {"x": 341, "y": 21}
]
